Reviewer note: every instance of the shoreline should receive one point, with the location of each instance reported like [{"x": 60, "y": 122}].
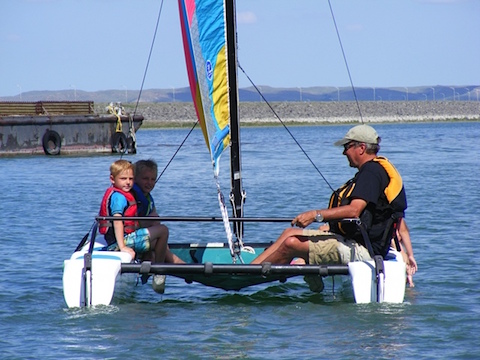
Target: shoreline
[
  {"x": 253, "y": 123},
  {"x": 182, "y": 114}
]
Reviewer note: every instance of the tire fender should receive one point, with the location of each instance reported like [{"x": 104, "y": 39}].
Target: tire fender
[{"x": 52, "y": 142}]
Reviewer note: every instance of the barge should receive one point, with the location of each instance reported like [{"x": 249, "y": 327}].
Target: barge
[{"x": 65, "y": 127}]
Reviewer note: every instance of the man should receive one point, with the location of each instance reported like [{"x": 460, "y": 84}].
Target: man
[{"x": 375, "y": 195}]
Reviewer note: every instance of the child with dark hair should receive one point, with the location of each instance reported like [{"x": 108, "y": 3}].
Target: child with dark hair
[{"x": 145, "y": 179}]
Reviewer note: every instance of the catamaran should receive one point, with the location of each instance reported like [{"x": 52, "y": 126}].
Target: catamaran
[{"x": 91, "y": 274}]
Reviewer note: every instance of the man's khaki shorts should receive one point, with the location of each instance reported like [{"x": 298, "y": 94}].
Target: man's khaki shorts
[{"x": 329, "y": 248}]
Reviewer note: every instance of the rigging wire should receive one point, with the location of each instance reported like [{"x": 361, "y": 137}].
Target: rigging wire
[
  {"x": 143, "y": 83},
  {"x": 146, "y": 68},
  {"x": 286, "y": 127},
  {"x": 346, "y": 63},
  {"x": 176, "y": 152},
  {"x": 149, "y": 57},
  {"x": 281, "y": 121}
]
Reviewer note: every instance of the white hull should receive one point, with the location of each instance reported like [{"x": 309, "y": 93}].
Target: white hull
[
  {"x": 392, "y": 284},
  {"x": 96, "y": 287},
  {"x": 82, "y": 287}
]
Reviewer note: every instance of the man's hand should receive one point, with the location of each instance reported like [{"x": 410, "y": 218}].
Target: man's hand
[{"x": 304, "y": 219}]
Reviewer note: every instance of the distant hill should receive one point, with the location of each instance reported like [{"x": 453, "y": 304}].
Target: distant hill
[{"x": 250, "y": 94}]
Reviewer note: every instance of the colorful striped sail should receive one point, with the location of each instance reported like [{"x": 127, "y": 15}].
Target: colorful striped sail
[{"x": 204, "y": 40}]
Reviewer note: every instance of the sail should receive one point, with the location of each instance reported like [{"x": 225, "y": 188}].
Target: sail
[
  {"x": 209, "y": 41},
  {"x": 204, "y": 38}
]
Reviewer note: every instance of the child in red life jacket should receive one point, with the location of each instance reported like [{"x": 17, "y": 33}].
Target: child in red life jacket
[{"x": 126, "y": 235}]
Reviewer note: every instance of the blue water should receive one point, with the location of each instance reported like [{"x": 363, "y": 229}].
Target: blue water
[{"x": 49, "y": 204}]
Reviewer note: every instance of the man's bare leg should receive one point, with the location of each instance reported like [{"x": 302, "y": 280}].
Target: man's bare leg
[{"x": 276, "y": 245}]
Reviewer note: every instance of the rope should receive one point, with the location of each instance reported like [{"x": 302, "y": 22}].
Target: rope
[
  {"x": 226, "y": 223},
  {"x": 131, "y": 131},
  {"x": 117, "y": 111},
  {"x": 239, "y": 245},
  {"x": 235, "y": 213}
]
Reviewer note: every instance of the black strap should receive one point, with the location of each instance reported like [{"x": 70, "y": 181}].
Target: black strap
[
  {"x": 390, "y": 232},
  {"x": 84, "y": 239},
  {"x": 396, "y": 226},
  {"x": 365, "y": 236},
  {"x": 92, "y": 238}
]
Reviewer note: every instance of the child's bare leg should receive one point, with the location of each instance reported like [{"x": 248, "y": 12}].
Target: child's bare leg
[
  {"x": 159, "y": 238},
  {"x": 147, "y": 256}
]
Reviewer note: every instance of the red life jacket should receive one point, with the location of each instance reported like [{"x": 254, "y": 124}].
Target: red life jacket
[{"x": 129, "y": 226}]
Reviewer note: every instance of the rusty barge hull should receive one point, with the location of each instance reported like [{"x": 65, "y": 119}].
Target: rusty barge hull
[{"x": 67, "y": 133}]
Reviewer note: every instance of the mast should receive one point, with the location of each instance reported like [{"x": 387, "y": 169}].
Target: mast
[{"x": 237, "y": 194}]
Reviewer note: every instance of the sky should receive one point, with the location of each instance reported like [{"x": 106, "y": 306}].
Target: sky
[{"x": 95, "y": 45}]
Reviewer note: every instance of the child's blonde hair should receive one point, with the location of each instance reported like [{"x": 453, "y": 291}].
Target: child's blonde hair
[
  {"x": 141, "y": 165},
  {"x": 120, "y": 166}
]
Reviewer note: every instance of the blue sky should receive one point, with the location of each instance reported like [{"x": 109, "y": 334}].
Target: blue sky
[{"x": 104, "y": 44}]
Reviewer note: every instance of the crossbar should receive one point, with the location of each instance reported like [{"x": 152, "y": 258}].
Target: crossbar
[{"x": 210, "y": 269}]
